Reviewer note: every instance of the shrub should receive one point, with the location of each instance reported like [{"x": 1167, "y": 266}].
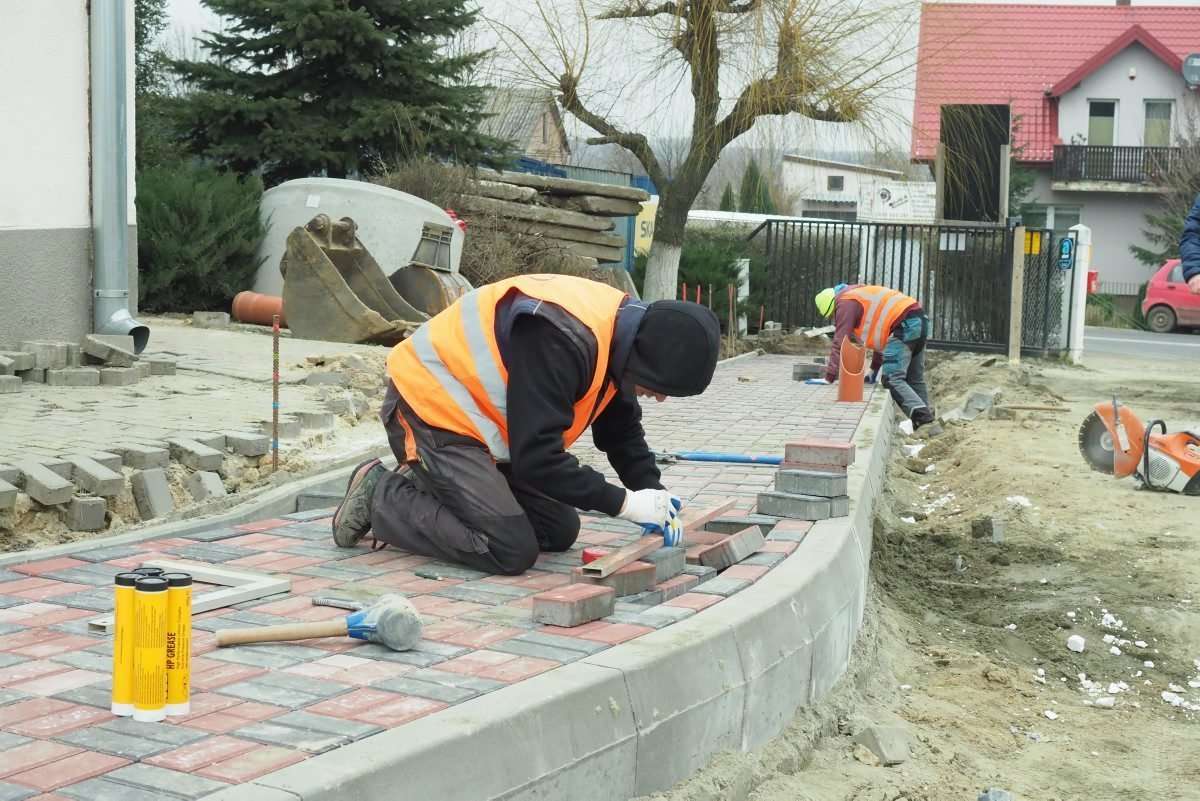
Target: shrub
[{"x": 198, "y": 237}]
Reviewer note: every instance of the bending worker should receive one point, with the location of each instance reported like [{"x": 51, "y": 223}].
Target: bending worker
[
  {"x": 892, "y": 325},
  {"x": 484, "y": 400},
  {"x": 1189, "y": 249}
]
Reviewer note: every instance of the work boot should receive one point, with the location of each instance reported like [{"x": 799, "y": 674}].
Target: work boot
[
  {"x": 352, "y": 520},
  {"x": 921, "y": 417}
]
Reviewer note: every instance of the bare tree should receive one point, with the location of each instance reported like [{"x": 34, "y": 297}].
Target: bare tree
[{"x": 823, "y": 60}]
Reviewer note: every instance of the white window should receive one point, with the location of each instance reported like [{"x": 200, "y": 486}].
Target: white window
[
  {"x": 1157, "y": 132},
  {"x": 1058, "y": 219},
  {"x": 1102, "y": 123},
  {"x": 835, "y": 183}
]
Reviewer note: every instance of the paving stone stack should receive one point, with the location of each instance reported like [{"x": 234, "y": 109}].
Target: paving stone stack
[
  {"x": 575, "y": 217},
  {"x": 815, "y": 368},
  {"x": 811, "y": 483},
  {"x": 98, "y": 360}
]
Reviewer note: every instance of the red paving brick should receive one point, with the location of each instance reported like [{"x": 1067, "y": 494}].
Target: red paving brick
[
  {"x": 257, "y": 560},
  {"x": 47, "y": 566},
  {"x": 357, "y": 671},
  {"x": 308, "y": 585},
  {"x": 50, "y": 797},
  {"x": 61, "y": 722},
  {"x": 30, "y": 755},
  {"x": 202, "y": 753},
  {"x": 693, "y": 600},
  {"x": 745, "y": 572},
  {"x": 249, "y": 766},
  {"x": 285, "y": 607},
  {"x": 401, "y": 711},
  {"x": 57, "y": 683},
  {"x": 30, "y": 636},
  {"x": 225, "y": 674},
  {"x": 778, "y": 546},
  {"x": 70, "y": 770},
  {"x": 262, "y": 525},
  {"x": 51, "y": 590},
  {"x": 21, "y": 711},
  {"x": 481, "y": 636},
  {"x": 517, "y": 669},
  {"x": 27, "y": 671},
  {"x": 444, "y": 607},
  {"x": 216, "y": 723},
  {"x": 599, "y": 631},
  {"x": 58, "y": 644},
  {"x": 354, "y": 703},
  {"x": 471, "y": 664},
  {"x": 545, "y": 581}
]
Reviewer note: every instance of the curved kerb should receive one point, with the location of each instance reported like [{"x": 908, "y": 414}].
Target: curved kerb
[{"x": 638, "y": 717}]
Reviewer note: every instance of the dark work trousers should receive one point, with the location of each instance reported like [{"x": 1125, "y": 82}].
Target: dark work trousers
[
  {"x": 904, "y": 365},
  {"x": 458, "y": 504}
]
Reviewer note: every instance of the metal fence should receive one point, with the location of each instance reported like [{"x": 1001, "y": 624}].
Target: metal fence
[{"x": 961, "y": 274}]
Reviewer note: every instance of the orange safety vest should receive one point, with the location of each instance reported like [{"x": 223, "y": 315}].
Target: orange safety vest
[
  {"x": 882, "y": 309},
  {"x": 450, "y": 371}
]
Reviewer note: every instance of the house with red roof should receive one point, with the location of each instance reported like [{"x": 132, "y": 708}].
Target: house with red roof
[{"x": 1096, "y": 100}]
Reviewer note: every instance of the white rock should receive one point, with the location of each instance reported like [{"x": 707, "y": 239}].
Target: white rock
[
  {"x": 1148, "y": 664},
  {"x": 1109, "y": 639},
  {"x": 930, "y": 468},
  {"x": 906, "y": 427},
  {"x": 1050, "y": 714},
  {"x": 1071, "y": 615},
  {"x": 1041, "y": 671},
  {"x": 1011, "y": 627},
  {"x": 909, "y": 520},
  {"x": 1175, "y": 688},
  {"x": 1115, "y": 651},
  {"x": 913, "y": 451},
  {"x": 1076, "y": 643},
  {"x": 1140, "y": 643},
  {"x": 1019, "y": 500},
  {"x": 1106, "y": 703}
]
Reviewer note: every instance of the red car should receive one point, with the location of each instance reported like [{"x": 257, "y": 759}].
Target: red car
[{"x": 1169, "y": 304}]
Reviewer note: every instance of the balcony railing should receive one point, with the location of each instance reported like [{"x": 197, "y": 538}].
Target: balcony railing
[{"x": 1124, "y": 165}]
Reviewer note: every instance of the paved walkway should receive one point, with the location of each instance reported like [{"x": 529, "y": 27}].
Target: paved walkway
[{"x": 260, "y": 708}]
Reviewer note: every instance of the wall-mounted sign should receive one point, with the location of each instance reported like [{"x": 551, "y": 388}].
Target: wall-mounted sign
[{"x": 1066, "y": 253}]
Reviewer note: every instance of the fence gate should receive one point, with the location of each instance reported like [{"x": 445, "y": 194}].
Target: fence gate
[
  {"x": 1049, "y": 277},
  {"x": 961, "y": 274}
]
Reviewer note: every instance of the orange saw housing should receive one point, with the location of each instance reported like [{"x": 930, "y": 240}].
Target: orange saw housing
[{"x": 1174, "y": 458}]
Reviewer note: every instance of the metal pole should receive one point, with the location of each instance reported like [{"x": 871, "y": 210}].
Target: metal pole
[{"x": 275, "y": 394}]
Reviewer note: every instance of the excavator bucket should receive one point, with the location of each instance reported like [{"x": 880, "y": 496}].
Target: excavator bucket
[{"x": 334, "y": 290}]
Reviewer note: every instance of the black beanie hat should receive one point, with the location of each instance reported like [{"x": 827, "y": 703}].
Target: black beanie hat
[{"x": 675, "y": 349}]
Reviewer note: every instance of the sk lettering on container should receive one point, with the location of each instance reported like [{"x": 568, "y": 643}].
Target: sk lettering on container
[{"x": 150, "y": 649}]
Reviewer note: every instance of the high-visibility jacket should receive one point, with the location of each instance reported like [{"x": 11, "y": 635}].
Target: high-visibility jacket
[
  {"x": 882, "y": 309},
  {"x": 451, "y": 375}
]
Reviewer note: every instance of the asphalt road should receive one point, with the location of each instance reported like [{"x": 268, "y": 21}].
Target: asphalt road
[{"x": 1159, "y": 347}]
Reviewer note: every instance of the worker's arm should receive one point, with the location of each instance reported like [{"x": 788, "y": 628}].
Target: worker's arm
[
  {"x": 547, "y": 374},
  {"x": 1189, "y": 248},
  {"x": 846, "y": 317},
  {"x": 618, "y": 432}
]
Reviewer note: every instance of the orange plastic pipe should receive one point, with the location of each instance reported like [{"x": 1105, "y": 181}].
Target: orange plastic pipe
[
  {"x": 852, "y": 371},
  {"x": 252, "y": 307}
]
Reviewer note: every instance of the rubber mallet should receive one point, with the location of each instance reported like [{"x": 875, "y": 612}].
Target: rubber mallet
[{"x": 392, "y": 621}]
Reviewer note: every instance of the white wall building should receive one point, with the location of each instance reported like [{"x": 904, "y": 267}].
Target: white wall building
[{"x": 827, "y": 189}]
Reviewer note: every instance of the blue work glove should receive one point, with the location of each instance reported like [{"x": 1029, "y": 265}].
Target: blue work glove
[
  {"x": 656, "y": 511},
  {"x": 816, "y": 381}
]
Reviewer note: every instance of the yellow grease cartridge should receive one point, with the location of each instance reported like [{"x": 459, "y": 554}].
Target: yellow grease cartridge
[
  {"x": 179, "y": 643},
  {"x": 122, "y": 664},
  {"x": 150, "y": 649}
]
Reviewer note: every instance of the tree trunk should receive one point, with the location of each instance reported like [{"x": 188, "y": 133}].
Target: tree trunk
[{"x": 662, "y": 266}]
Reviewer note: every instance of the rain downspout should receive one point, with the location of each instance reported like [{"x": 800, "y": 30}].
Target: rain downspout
[{"x": 110, "y": 174}]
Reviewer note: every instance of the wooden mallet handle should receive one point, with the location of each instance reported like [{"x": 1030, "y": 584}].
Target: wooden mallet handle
[{"x": 283, "y": 632}]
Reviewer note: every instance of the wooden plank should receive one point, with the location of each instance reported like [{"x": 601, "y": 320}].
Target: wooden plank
[{"x": 616, "y": 560}]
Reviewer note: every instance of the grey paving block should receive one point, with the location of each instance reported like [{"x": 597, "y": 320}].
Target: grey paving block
[
  {"x": 526, "y": 648},
  {"x": 811, "y": 482},
  {"x": 647, "y": 598},
  {"x": 8, "y": 740},
  {"x": 315, "y": 420},
  {"x": 446, "y": 570},
  {"x": 722, "y": 586},
  {"x": 86, "y": 513},
  {"x": 108, "y": 790},
  {"x": 434, "y": 692},
  {"x": 660, "y": 616},
  {"x": 119, "y": 376},
  {"x": 509, "y": 616},
  {"x": 160, "y": 365},
  {"x": 247, "y": 443},
  {"x": 798, "y": 507},
  {"x": 786, "y": 535},
  {"x": 702, "y": 572},
  {"x": 44, "y": 485},
  {"x": 208, "y": 439},
  {"x": 143, "y": 457},
  {"x": 271, "y": 733},
  {"x": 839, "y": 507},
  {"x": 8, "y": 366},
  {"x": 9, "y": 385},
  {"x": 443, "y": 649},
  {"x": 10, "y": 474},
  {"x": 61, "y": 467},
  {"x": 284, "y": 689},
  {"x": 668, "y": 562},
  {"x": 289, "y": 427},
  {"x": 163, "y": 781},
  {"x": 21, "y": 360},
  {"x": 309, "y": 721},
  {"x": 85, "y": 661},
  {"x": 93, "y": 695},
  {"x": 204, "y": 485},
  {"x": 98, "y": 479},
  {"x": 216, "y": 535},
  {"x": 461, "y": 592},
  {"x": 15, "y": 792},
  {"x": 97, "y": 600},
  {"x": 558, "y": 641},
  {"x": 448, "y": 679},
  {"x": 260, "y": 656},
  {"x": 35, "y": 376},
  {"x": 73, "y": 377},
  {"x": 211, "y": 552},
  {"x": 9, "y": 696},
  {"x": 160, "y": 732},
  {"x": 97, "y": 575},
  {"x": 192, "y": 454},
  {"x": 105, "y": 554},
  {"x": 47, "y": 354},
  {"x": 96, "y": 738},
  {"x": 143, "y": 370},
  {"x": 328, "y": 552},
  {"x": 509, "y": 591},
  {"x": 764, "y": 559},
  {"x": 307, "y": 511},
  {"x": 252, "y": 618},
  {"x": 108, "y": 352},
  {"x": 8, "y": 660},
  {"x": 8, "y": 495},
  {"x": 735, "y": 523},
  {"x": 373, "y": 651},
  {"x": 335, "y": 573},
  {"x": 152, "y": 493}
]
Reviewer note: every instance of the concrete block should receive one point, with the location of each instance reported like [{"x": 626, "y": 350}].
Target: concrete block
[
  {"x": 819, "y": 452},
  {"x": 800, "y": 507},
  {"x": 673, "y": 588},
  {"x": 73, "y": 377},
  {"x": 160, "y": 365},
  {"x": 811, "y": 482},
  {"x": 802, "y": 371},
  {"x": 990, "y": 528},
  {"x": 723, "y": 587},
  {"x": 734, "y": 549},
  {"x": 244, "y": 444},
  {"x": 635, "y": 577},
  {"x": 668, "y": 562},
  {"x": 735, "y": 523},
  {"x": 91, "y": 476},
  {"x": 10, "y": 474},
  {"x": 47, "y": 355},
  {"x": 34, "y": 376},
  {"x": 44, "y": 485},
  {"x": 215, "y": 441},
  {"x": 573, "y": 605},
  {"x": 312, "y": 501},
  {"x": 107, "y": 351},
  {"x": 7, "y": 365},
  {"x": 20, "y": 359},
  {"x": 86, "y": 513},
  {"x": 329, "y": 379},
  {"x": 204, "y": 485},
  {"x": 839, "y": 506},
  {"x": 648, "y": 598},
  {"x": 347, "y": 404},
  {"x": 701, "y": 572},
  {"x": 289, "y": 427},
  {"x": 120, "y": 341},
  {"x": 888, "y": 743},
  {"x": 74, "y": 355},
  {"x": 315, "y": 421},
  {"x": 210, "y": 319},
  {"x": 152, "y": 493},
  {"x": 9, "y": 385},
  {"x": 143, "y": 370},
  {"x": 110, "y": 460},
  {"x": 143, "y": 457},
  {"x": 8, "y": 495},
  {"x": 118, "y": 376},
  {"x": 980, "y": 402},
  {"x": 791, "y": 531},
  {"x": 60, "y": 466},
  {"x": 192, "y": 454}
]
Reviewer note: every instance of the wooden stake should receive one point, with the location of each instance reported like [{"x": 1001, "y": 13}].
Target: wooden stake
[{"x": 275, "y": 396}]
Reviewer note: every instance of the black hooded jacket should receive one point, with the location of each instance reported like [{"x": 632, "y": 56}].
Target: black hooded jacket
[{"x": 550, "y": 359}]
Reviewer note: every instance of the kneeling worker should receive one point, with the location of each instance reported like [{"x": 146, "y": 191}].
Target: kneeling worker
[
  {"x": 484, "y": 400},
  {"x": 892, "y": 325}
]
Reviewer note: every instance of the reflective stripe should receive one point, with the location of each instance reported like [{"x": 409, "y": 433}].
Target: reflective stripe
[
  {"x": 481, "y": 353},
  {"x": 423, "y": 348},
  {"x": 879, "y": 334}
]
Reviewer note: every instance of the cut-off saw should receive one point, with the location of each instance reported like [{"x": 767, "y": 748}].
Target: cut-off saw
[{"x": 1115, "y": 441}]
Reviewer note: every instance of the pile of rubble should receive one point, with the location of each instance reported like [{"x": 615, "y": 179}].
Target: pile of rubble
[
  {"x": 97, "y": 361},
  {"x": 575, "y": 217}
]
